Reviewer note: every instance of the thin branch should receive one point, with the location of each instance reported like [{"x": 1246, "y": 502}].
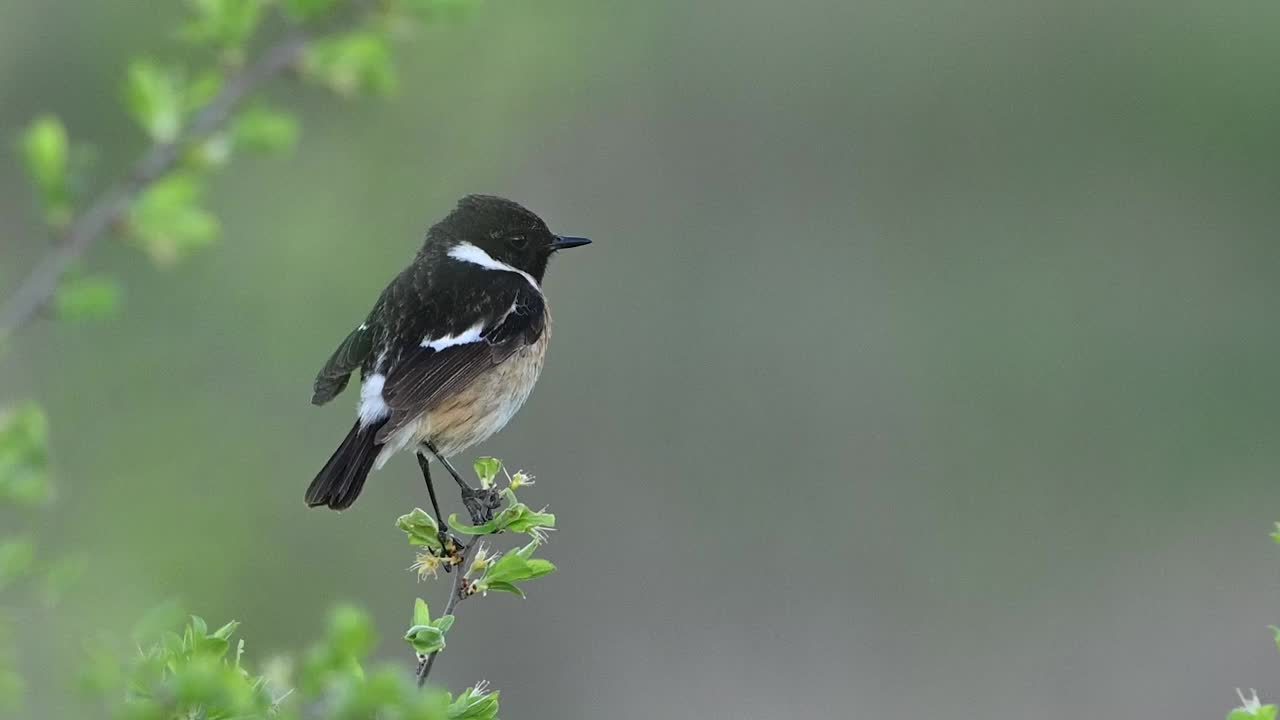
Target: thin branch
[
  {"x": 100, "y": 216},
  {"x": 458, "y": 592}
]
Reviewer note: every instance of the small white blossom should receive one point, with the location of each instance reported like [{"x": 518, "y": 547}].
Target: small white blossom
[
  {"x": 1250, "y": 705},
  {"x": 482, "y": 560},
  {"x": 426, "y": 564},
  {"x": 521, "y": 479}
]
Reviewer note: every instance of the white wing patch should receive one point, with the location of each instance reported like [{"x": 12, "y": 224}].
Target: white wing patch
[
  {"x": 469, "y": 253},
  {"x": 470, "y": 335},
  {"x": 372, "y": 406}
]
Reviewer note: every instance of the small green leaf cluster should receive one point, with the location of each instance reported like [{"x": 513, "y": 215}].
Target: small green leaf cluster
[
  {"x": 513, "y": 567},
  {"x": 485, "y": 570},
  {"x": 426, "y": 636},
  {"x": 205, "y": 674},
  {"x": 1251, "y": 708},
  {"x": 26, "y": 578},
  {"x": 226, "y": 25},
  {"x": 421, "y": 529},
  {"x": 46, "y": 152},
  {"x": 24, "y": 456},
  {"x": 354, "y": 63},
  {"x": 191, "y": 675}
]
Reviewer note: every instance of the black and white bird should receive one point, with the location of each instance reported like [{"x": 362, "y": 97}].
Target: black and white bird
[{"x": 449, "y": 352}]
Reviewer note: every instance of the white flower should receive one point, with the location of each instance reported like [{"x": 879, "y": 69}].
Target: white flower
[
  {"x": 521, "y": 479},
  {"x": 482, "y": 560},
  {"x": 426, "y": 564},
  {"x": 1250, "y": 705}
]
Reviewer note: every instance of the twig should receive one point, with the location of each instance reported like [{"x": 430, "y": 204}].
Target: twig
[{"x": 456, "y": 594}]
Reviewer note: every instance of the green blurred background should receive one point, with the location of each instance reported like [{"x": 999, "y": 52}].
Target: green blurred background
[{"x": 925, "y": 364}]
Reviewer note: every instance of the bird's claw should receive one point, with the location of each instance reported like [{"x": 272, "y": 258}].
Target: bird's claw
[{"x": 481, "y": 503}]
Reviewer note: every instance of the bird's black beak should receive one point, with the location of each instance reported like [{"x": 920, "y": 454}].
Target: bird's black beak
[{"x": 564, "y": 242}]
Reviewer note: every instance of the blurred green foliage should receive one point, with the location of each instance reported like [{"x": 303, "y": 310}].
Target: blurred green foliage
[
  {"x": 46, "y": 153},
  {"x": 204, "y": 673},
  {"x": 24, "y": 456}
]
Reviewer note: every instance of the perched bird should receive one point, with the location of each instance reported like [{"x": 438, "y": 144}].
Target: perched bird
[{"x": 449, "y": 352}]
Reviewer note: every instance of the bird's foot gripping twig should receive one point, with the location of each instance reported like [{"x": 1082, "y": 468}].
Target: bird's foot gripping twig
[{"x": 480, "y": 503}]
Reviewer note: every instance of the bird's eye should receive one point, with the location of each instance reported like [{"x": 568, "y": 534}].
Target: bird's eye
[{"x": 518, "y": 241}]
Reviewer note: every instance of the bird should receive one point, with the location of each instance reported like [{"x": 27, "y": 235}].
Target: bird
[{"x": 450, "y": 351}]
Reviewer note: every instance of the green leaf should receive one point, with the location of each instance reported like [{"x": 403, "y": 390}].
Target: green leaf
[
  {"x": 421, "y": 529},
  {"x": 350, "y": 632},
  {"x": 512, "y": 568},
  {"x": 16, "y": 557},
  {"x": 24, "y": 458},
  {"x": 45, "y": 151},
  {"x": 516, "y": 518},
  {"x": 425, "y": 639},
  {"x": 474, "y": 704},
  {"x": 224, "y": 632},
  {"x": 487, "y": 469},
  {"x": 1265, "y": 712},
  {"x": 227, "y": 24},
  {"x": 1275, "y": 535},
  {"x": 154, "y": 95},
  {"x": 168, "y": 222},
  {"x": 352, "y": 63},
  {"x": 421, "y": 614},
  {"x": 261, "y": 129},
  {"x": 1251, "y": 709},
  {"x": 87, "y": 298},
  {"x": 500, "y": 586},
  {"x": 443, "y": 623},
  {"x": 427, "y": 635}
]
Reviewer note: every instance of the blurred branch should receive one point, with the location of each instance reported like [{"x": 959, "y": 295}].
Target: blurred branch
[
  {"x": 458, "y": 592},
  {"x": 105, "y": 213}
]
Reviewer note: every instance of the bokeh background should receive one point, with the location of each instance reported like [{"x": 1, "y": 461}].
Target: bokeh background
[{"x": 925, "y": 364}]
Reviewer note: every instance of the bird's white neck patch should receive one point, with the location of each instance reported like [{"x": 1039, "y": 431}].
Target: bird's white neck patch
[{"x": 474, "y": 254}]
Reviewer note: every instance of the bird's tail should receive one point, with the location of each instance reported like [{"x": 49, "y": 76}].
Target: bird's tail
[{"x": 339, "y": 482}]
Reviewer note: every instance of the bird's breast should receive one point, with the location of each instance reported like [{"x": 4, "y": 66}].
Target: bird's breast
[{"x": 486, "y": 405}]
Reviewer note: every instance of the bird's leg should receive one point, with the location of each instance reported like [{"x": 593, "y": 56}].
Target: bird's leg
[
  {"x": 480, "y": 502},
  {"x": 442, "y": 531}
]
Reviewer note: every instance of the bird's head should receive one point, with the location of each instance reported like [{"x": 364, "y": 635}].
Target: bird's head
[{"x": 501, "y": 230}]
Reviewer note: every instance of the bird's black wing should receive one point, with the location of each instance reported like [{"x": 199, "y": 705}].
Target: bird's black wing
[
  {"x": 501, "y": 310},
  {"x": 350, "y": 355}
]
